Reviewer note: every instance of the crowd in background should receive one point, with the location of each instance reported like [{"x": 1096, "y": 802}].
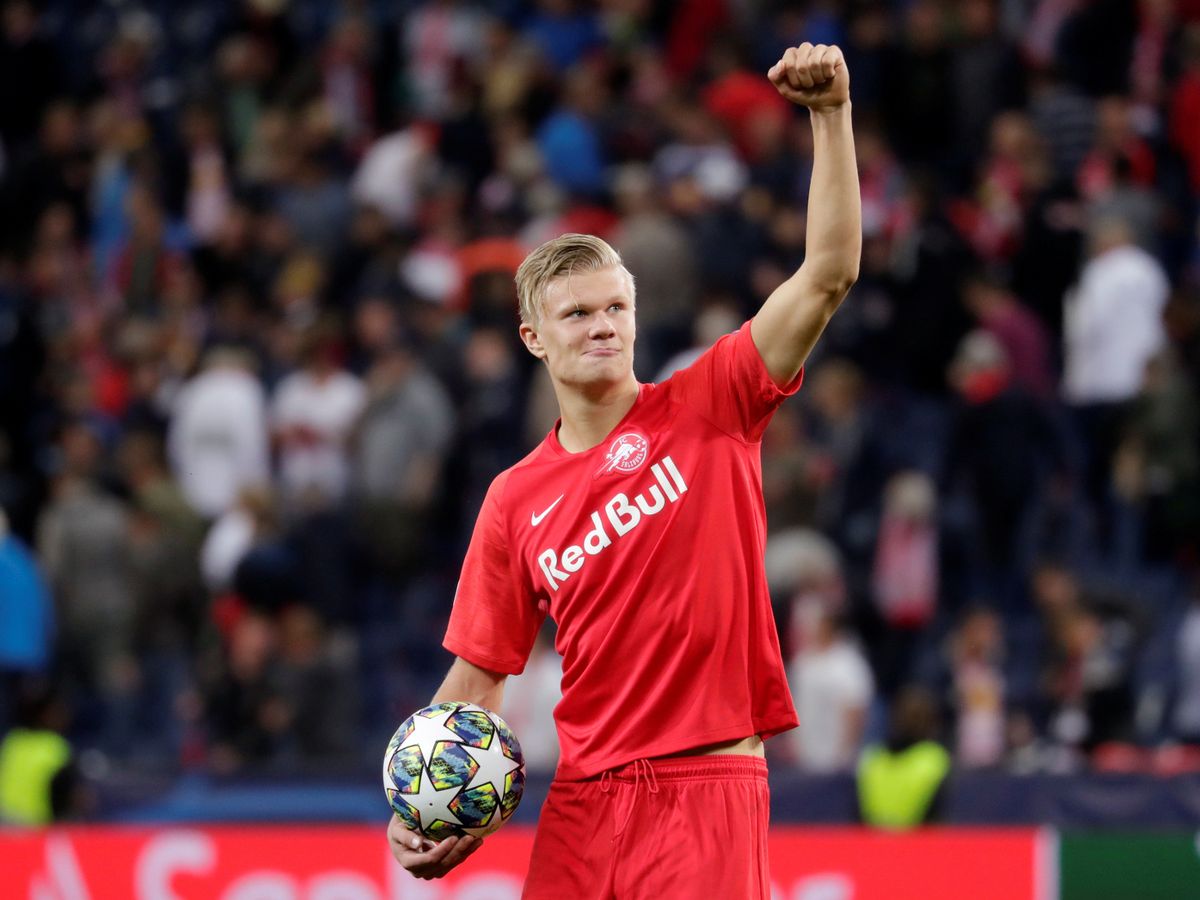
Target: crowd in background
[{"x": 258, "y": 356}]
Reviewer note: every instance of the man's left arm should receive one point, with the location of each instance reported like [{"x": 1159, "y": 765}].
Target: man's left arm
[{"x": 793, "y": 317}]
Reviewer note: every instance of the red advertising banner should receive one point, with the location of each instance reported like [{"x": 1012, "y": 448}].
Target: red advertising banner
[{"x": 353, "y": 863}]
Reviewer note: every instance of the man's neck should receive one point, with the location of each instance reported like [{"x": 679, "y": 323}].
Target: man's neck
[{"x": 588, "y": 418}]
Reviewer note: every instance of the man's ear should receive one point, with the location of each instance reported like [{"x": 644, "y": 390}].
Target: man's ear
[{"x": 532, "y": 340}]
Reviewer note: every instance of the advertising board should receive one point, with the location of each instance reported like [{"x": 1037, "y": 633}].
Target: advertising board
[{"x": 353, "y": 863}]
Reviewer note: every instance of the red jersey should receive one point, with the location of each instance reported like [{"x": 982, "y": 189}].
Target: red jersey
[{"x": 647, "y": 551}]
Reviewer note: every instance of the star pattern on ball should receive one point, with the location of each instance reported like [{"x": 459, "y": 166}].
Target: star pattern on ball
[
  {"x": 494, "y": 766},
  {"x": 428, "y": 731},
  {"x": 432, "y": 804}
]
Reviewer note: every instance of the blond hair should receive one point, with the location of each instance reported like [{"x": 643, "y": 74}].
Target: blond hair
[{"x": 563, "y": 255}]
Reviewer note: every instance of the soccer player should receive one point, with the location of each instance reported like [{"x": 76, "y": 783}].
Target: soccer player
[{"x": 638, "y": 525}]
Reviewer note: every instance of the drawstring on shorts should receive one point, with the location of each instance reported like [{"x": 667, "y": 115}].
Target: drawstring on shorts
[{"x": 643, "y": 774}]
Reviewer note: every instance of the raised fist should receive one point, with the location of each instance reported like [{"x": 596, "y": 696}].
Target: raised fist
[{"x": 812, "y": 75}]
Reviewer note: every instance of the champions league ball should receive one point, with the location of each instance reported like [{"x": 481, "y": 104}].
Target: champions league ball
[{"x": 453, "y": 768}]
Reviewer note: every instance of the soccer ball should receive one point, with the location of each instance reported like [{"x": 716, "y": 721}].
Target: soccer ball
[{"x": 454, "y": 768}]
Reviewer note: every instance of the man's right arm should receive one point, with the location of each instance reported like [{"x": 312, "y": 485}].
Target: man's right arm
[
  {"x": 422, "y": 857},
  {"x": 492, "y": 620}
]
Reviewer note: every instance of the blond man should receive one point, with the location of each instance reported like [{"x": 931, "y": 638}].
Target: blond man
[{"x": 638, "y": 526}]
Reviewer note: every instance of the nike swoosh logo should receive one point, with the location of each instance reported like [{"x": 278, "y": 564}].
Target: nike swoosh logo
[{"x": 536, "y": 518}]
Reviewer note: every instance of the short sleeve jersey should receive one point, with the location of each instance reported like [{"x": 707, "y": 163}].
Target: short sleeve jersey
[{"x": 647, "y": 551}]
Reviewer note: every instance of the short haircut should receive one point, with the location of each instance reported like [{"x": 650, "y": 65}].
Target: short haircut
[{"x": 563, "y": 255}]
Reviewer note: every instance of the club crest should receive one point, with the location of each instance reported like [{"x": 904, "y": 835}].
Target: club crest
[{"x": 626, "y": 454}]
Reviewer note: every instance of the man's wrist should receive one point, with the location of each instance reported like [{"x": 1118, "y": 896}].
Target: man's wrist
[{"x": 831, "y": 112}]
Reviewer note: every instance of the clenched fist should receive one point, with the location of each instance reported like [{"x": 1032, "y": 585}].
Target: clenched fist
[{"x": 814, "y": 76}]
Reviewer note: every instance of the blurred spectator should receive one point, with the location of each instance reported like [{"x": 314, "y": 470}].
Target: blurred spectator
[
  {"x": 398, "y": 449},
  {"x": 243, "y": 66},
  {"x": 26, "y": 618},
  {"x": 977, "y": 650},
  {"x": 1030, "y": 752},
  {"x": 209, "y": 195},
  {"x": 165, "y": 538},
  {"x": 22, "y": 352},
  {"x": 901, "y": 782},
  {"x": 832, "y": 688},
  {"x": 348, "y": 82},
  {"x": 316, "y": 685},
  {"x": 848, "y": 462},
  {"x": 1008, "y": 177},
  {"x": 1185, "y": 719},
  {"x": 1002, "y": 453},
  {"x": 153, "y": 360},
  {"x": 987, "y": 74},
  {"x": 928, "y": 260},
  {"x": 698, "y": 164},
  {"x": 1184, "y": 110},
  {"x": 881, "y": 182},
  {"x": 391, "y": 173},
  {"x": 39, "y": 778},
  {"x": 247, "y": 714},
  {"x": 313, "y": 413},
  {"x": 1157, "y": 29},
  {"x": 693, "y": 27},
  {"x": 741, "y": 100},
  {"x": 1116, "y": 144},
  {"x": 1113, "y": 326},
  {"x": 217, "y": 438},
  {"x": 438, "y": 38},
  {"x": 493, "y": 397},
  {"x": 869, "y": 35},
  {"x": 29, "y": 75},
  {"x": 488, "y": 293},
  {"x": 905, "y": 578},
  {"x": 1064, "y": 117},
  {"x": 83, "y": 543},
  {"x": 117, "y": 138},
  {"x": 223, "y": 262},
  {"x": 1046, "y": 262},
  {"x": 1158, "y": 461},
  {"x": 53, "y": 171},
  {"x": 569, "y": 140},
  {"x": 1113, "y": 319},
  {"x": 918, "y": 92},
  {"x": 656, "y": 250},
  {"x": 1088, "y": 670},
  {"x": 564, "y": 31},
  {"x": 312, "y": 199},
  {"x": 1095, "y": 45},
  {"x": 1120, "y": 194},
  {"x": 1020, "y": 334},
  {"x": 1090, "y": 680},
  {"x": 804, "y": 567},
  {"x": 270, "y": 575},
  {"x": 250, "y": 519},
  {"x": 367, "y": 263},
  {"x": 146, "y": 260},
  {"x": 792, "y": 471}
]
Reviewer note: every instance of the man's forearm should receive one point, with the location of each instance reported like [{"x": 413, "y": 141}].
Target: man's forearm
[
  {"x": 833, "y": 241},
  {"x": 471, "y": 684}
]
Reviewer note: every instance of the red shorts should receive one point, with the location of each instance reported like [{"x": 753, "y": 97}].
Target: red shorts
[{"x": 680, "y": 828}]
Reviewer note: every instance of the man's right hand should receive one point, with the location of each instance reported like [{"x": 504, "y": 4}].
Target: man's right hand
[{"x": 422, "y": 857}]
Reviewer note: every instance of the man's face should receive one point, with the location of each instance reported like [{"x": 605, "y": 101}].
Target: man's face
[{"x": 586, "y": 332}]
